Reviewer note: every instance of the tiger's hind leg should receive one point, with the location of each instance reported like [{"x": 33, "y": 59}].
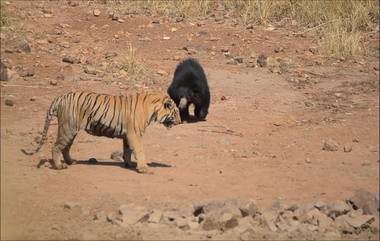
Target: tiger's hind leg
[
  {"x": 127, "y": 154},
  {"x": 66, "y": 153},
  {"x": 62, "y": 145}
]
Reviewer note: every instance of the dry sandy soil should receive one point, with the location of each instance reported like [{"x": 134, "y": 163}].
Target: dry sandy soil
[{"x": 262, "y": 140}]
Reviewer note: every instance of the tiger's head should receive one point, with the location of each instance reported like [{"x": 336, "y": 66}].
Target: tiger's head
[{"x": 166, "y": 112}]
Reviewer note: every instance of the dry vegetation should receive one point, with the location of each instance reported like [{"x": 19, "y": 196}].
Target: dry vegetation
[
  {"x": 341, "y": 26},
  {"x": 3, "y": 16},
  {"x": 132, "y": 66}
]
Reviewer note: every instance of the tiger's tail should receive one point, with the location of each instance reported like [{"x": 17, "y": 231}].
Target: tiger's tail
[{"x": 49, "y": 116}]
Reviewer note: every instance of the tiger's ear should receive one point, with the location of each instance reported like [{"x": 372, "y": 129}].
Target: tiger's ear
[{"x": 168, "y": 104}]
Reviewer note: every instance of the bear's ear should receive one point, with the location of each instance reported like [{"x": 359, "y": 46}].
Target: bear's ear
[{"x": 168, "y": 104}]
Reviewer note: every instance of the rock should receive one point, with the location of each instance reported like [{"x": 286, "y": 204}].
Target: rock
[
  {"x": 24, "y": 46},
  {"x": 249, "y": 209},
  {"x": 287, "y": 222},
  {"x": 238, "y": 59},
  {"x": 262, "y": 60},
  {"x": 166, "y": 38},
  {"x": 100, "y": 216},
  {"x": 26, "y": 72},
  {"x": 182, "y": 223},
  {"x": 155, "y": 217},
  {"x": 313, "y": 50},
  {"x": 218, "y": 207},
  {"x": 360, "y": 221},
  {"x": 224, "y": 50},
  {"x": 307, "y": 160},
  {"x": 337, "y": 209},
  {"x": 114, "y": 218},
  {"x": 318, "y": 219},
  {"x": 321, "y": 206},
  {"x": 121, "y": 20},
  {"x": 330, "y": 145},
  {"x": 292, "y": 207},
  {"x": 90, "y": 70},
  {"x": 53, "y": 82},
  {"x": 269, "y": 218},
  {"x": 278, "y": 49},
  {"x": 162, "y": 72},
  {"x": 210, "y": 222},
  {"x": 132, "y": 215},
  {"x": 193, "y": 225},
  {"x": 366, "y": 201},
  {"x": 228, "y": 221},
  {"x": 117, "y": 156},
  {"x": 248, "y": 234},
  {"x": 3, "y": 72},
  {"x": 71, "y": 205},
  {"x": 71, "y": 60},
  {"x": 109, "y": 55},
  {"x": 332, "y": 235},
  {"x": 249, "y": 26},
  {"x": 9, "y": 102},
  {"x": 347, "y": 148},
  {"x": 92, "y": 161},
  {"x": 231, "y": 62},
  {"x": 96, "y": 12},
  {"x": 373, "y": 148},
  {"x": 115, "y": 17},
  {"x": 342, "y": 225}
]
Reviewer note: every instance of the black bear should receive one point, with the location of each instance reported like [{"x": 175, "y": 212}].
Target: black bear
[{"x": 189, "y": 86}]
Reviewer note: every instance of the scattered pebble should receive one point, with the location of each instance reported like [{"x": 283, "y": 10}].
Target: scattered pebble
[
  {"x": 96, "y": 12},
  {"x": 53, "y": 82},
  {"x": 162, "y": 72},
  {"x": 9, "y": 102},
  {"x": 71, "y": 205},
  {"x": 330, "y": 145},
  {"x": 347, "y": 148}
]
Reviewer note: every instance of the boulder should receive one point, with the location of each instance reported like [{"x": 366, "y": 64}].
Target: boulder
[
  {"x": 133, "y": 214},
  {"x": 366, "y": 201}
]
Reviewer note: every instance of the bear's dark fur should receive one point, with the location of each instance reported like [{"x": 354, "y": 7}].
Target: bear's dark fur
[{"x": 189, "y": 86}]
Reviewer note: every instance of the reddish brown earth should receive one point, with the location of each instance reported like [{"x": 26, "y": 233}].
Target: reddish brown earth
[{"x": 262, "y": 139}]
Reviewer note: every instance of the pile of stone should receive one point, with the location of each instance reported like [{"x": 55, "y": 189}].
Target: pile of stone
[{"x": 356, "y": 217}]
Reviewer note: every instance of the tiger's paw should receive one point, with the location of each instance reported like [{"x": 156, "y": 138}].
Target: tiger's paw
[
  {"x": 144, "y": 170},
  {"x": 60, "y": 166}
]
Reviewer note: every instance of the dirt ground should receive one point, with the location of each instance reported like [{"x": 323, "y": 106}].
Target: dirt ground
[{"x": 262, "y": 140}]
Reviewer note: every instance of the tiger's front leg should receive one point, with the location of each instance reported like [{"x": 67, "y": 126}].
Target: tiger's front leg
[
  {"x": 127, "y": 153},
  {"x": 135, "y": 143}
]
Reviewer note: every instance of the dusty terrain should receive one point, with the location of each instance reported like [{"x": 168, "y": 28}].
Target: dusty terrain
[{"x": 263, "y": 138}]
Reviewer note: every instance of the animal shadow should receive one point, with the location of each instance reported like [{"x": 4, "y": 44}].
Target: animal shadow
[
  {"x": 93, "y": 161},
  {"x": 192, "y": 119},
  {"x": 132, "y": 166}
]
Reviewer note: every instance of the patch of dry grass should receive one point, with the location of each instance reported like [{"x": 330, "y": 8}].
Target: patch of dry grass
[
  {"x": 340, "y": 24},
  {"x": 3, "y": 16},
  {"x": 134, "y": 69}
]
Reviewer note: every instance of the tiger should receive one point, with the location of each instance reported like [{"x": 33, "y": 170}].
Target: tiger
[{"x": 125, "y": 117}]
